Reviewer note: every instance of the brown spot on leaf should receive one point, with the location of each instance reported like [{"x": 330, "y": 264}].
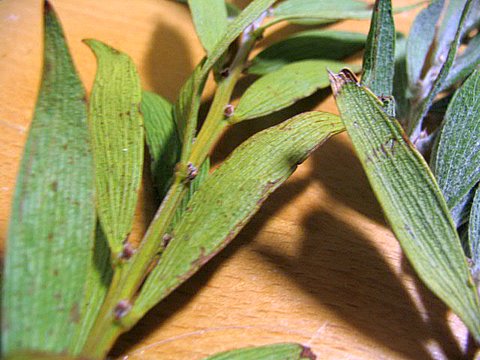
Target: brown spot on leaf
[
  {"x": 75, "y": 313},
  {"x": 54, "y": 186},
  {"x": 307, "y": 353}
]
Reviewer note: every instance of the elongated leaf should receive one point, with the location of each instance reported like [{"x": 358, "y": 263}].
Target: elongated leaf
[
  {"x": 379, "y": 57},
  {"x": 52, "y": 225},
  {"x": 251, "y": 13},
  {"x": 419, "y": 41},
  {"x": 456, "y": 163},
  {"x": 268, "y": 352},
  {"x": 210, "y": 19},
  {"x": 218, "y": 210},
  {"x": 430, "y": 88},
  {"x": 310, "y": 44},
  {"x": 116, "y": 128},
  {"x": 324, "y": 11},
  {"x": 284, "y": 87},
  {"x": 474, "y": 235},
  {"x": 162, "y": 139},
  {"x": 410, "y": 198},
  {"x": 99, "y": 275},
  {"x": 464, "y": 64}
]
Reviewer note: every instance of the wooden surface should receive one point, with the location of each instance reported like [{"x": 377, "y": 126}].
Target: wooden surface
[{"x": 317, "y": 265}]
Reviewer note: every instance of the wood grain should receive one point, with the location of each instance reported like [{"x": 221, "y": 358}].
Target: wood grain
[{"x": 317, "y": 265}]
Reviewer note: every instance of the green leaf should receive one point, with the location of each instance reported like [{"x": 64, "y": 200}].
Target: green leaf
[
  {"x": 283, "y": 88},
  {"x": 162, "y": 139},
  {"x": 474, "y": 235},
  {"x": 433, "y": 81},
  {"x": 325, "y": 11},
  {"x": 218, "y": 211},
  {"x": 268, "y": 352},
  {"x": 210, "y": 19},
  {"x": 456, "y": 161},
  {"x": 249, "y": 15},
  {"x": 52, "y": 223},
  {"x": 464, "y": 64},
  {"x": 99, "y": 275},
  {"x": 419, "y": 41},
  {"x": 305, "y": 45},
  {"x": 379, "y": 57},
  {"x": 410, "y": 198},
  {"x": 116, "y": 127}
]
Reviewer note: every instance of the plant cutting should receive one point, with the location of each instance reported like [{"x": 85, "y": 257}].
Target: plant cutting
[{"x": 118, "y": 279}]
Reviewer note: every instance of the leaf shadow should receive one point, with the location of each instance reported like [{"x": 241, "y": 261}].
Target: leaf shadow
[{"x": 168, "y": 62}]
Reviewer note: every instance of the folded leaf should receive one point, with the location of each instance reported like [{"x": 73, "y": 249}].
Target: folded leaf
[
  {"x": 218, "y": 210},
  {"x": 456, "y": 161},
  {"x": 306, "y": 45},
  {"x": 268, "y": 352},
  {"x": 162, "y": 139},
  {"x": 283, "y": 88},
  {"x": 52, "y": 224},
  {"x": 379, "y": 57},
  {"x": 210, "y": 19},
  {"x": 410, "y": 198},
  {"x": 116, "y": 128},
  {"x": 474, "y": 236}
]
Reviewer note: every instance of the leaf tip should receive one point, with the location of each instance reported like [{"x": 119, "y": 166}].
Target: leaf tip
[
  {"x": 337, "y": 81},
  {"x": 47, "y": 7}
]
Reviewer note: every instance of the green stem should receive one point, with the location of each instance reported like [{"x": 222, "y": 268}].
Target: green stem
[{"x": 129, "y": 276}]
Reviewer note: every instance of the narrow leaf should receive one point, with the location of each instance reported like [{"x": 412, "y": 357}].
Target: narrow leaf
[
  {"x": 325, "y": 10},
  {"x": 52, "y": 225},
  {"x": 99, "y": 275},
  {"x": 116, "y": 128},
  {"x": 410, "y": 198},
  {"x": 284, "y": 87},
  {"x": 162, "y": 139},
  {"x": 218, "y": 211},
  {"x": 307, "y": 45},
  {"x": 379, "y": 57},
  {"x": 474, "y": 235},
  {"x": 210, "y": 19},
  {"x": 429, "y": 92},
  {"x": 456, "y": 162},
  {"x": 464, "y": 64},
  {"x": 419, "y": 41},
  {"x": 268, "y": 352}
]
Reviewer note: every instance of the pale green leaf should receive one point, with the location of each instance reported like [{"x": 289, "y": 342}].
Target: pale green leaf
[
  {"x": 305, "y": 45},
  {"x": 218, "y": 210},
  {"x": 379, "y": 57},
  {"x": 474, "y": 235},
  {"x": 268, "y": 352},
  {"x": 116, "y": 127},
  {"x": 210, "y": 20},
  {"x": 324, "y": 11},
  {"x": 162, "y": 139},
  {"x": 52, "y": 224},
  {"x": 456, "y": 161},
  {"x": 284, "y": 87},
  {"x": 410, "y": 198}
]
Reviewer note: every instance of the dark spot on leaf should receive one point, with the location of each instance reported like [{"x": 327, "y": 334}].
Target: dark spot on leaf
[
  {"x": 55, "y": 272},
  {"x": 50, "y": 237},
  {"x": 54, "y": 186},
  {"x": 75, "y": 313}
]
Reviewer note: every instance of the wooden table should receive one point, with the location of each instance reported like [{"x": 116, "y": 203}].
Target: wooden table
[{"x": 317, "y": 265}]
